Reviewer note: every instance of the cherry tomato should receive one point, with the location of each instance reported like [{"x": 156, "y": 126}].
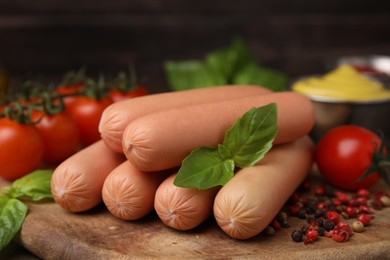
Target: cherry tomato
[
  {"x": 68, "y": 90},
  {"x": 21, "y": 149},
  {"x": 118, "y": 95},
  {"x": 59, "y": 133},
  {"x": 344, "y": 154},
  {"x": 86, "y": 112}
]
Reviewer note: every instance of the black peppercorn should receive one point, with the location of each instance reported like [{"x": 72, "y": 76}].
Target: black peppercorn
[
  {"x": 297, "y": 235},
  {"x": 302, "y": 213},
  {"x": 304, "y": 228},
  {"x": 328, "y": 224},
  {"x": 321, "y": 231}
]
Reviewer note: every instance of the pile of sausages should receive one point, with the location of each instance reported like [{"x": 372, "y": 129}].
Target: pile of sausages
[{"x": 144, "y": 140}]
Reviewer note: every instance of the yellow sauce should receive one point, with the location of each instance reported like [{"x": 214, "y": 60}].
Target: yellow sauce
[{"x": 343, "y": 83}]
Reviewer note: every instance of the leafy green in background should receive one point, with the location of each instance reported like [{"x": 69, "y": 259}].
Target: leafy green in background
[
  {"x": 245, "y": 143},
  {"x": 234, "y": 64},
  {"x": 34, "y": 186}
]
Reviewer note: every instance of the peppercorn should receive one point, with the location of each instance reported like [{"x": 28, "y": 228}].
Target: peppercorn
[
  {"x": 361, "y": 201},
  {"x": 364, "y": 209},
  {"x": 320, "y": 231},
  {"x": 269, "y": 231},
  {"x": 319, "y": 191},
  {"x": 311, "y": 219},
  {"x": 340, "y": 235},
  {"x": 333, "y": 216},
  {"x": 351, "y": 211},
  {"x": 363, "y": 193},
  {"x": 357, "y": 226},
  {"x": 311, "y": 235},
  {"x": 322, "y": 206},
  {"x": 385, "y": 201},
  {"x": 282, "y": 215},
  {"x": 319, "y": 213},
  {"x": 297, "y": 236},
  {"x": 365, "y": 219},
  {"x": 344, "y": 226},
  {"x": 302, "y": 213},
  {"x": 328, "y": 224},
  {"x": 304, "y": 228},
  {"x": 311, "y": 205},
  {"x": 320, "y": 222},
  {"x": 294, "y": 210},
  {"x": 376, "y": 204},
  {"x": 276, "y": 224},
  {"x": 284, "y": 223}
]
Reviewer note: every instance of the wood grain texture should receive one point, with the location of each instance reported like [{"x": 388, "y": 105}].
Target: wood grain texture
[{"x": 51, "y": 233}]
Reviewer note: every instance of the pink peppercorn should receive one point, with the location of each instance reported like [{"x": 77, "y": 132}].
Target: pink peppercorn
[
  {"x": 363, "y": 193},
  {"x": 319, "y": 191},
  {"x": 333, "y": 216},
  {"x": 351, "y": 211},
  {"x": 365, "y": 219},
  {"x": 310, "y": 235}
]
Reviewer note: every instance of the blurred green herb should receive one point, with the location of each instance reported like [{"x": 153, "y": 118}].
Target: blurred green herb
[
  {"x": 234, "y": 64},
  {"x": 34, "y": 186}
]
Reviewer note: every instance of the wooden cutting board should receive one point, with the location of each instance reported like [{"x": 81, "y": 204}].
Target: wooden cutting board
[{"x": 52, "y": 233}]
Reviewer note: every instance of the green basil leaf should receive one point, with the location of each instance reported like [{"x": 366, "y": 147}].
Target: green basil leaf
[
  {"x": 255, "y": 75},
  {"x": 12, "y": 215},
  {"x": 251, "y": 136},
  {"x": 182, "y": 75},
  {"x": 229, "y": 60},
  {"x": 204, "y": 168},
  {"x": 35, "y": 186}
]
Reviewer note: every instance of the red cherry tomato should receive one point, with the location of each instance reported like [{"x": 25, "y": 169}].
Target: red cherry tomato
[
  {"x": 118, "y": 95},
  {"x": 59, "y": 133},
  {"x": 86, "y": 112},
  {"x": 344, "y": 154},
  {"x": 21, "y": 149},
  {"x": 69, "y": 90}
]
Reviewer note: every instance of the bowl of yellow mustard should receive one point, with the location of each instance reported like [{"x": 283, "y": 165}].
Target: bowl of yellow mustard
[{"x": 344, "y": 95}]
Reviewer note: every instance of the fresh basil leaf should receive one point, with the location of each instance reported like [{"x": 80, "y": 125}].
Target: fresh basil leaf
[
  {"x": 12, "y": 215},
  {"x": 231, "y": 59},
  {"x": 35, "y": 186},
  {"x": 224, "y": 152},
  {"x": 204, "y": 168},
  {"x": 253, "y": 74},
  {"x": 251, "y": 136},
  {"x": 182, "y": 75}
]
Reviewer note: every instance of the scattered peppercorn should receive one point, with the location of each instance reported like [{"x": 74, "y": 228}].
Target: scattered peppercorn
[
  {"x": 297, "y": 236},
  {"x": 357, "y": 226},
  {"x": 363, "y": 193},
  {"x": 269, "y": 231},
  {"x": 333, "y": 216},
  {"x": 326, "y": 208},
  {"x": 365, "y": 219},
  {"x": 311, "y": 235},
  {"x": 328, "y": 224},
  {"x": 385, "y": 201}
]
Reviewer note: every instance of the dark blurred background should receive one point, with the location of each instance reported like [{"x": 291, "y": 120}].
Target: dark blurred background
[{"x": 46, "y": 38}]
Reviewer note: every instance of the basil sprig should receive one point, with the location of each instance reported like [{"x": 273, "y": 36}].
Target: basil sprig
[
  {"x": 13, "y": 210},
  {"x": 245, "y": 144},
  {"x": 234, "y": 64}
]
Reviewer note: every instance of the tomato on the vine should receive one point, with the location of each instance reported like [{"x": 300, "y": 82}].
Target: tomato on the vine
[
  {"x": 119, "y": 95},
  {"x": 351, "y": 157},
  {"x": 69, "y": 92},
  {"x": 59, "y": 133},
  {"x": 86, "y": 111},
  {"x": 21, "y": 149}
]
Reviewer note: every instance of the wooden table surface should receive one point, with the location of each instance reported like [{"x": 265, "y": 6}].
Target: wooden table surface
[{"x": 49, "y": 232}]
